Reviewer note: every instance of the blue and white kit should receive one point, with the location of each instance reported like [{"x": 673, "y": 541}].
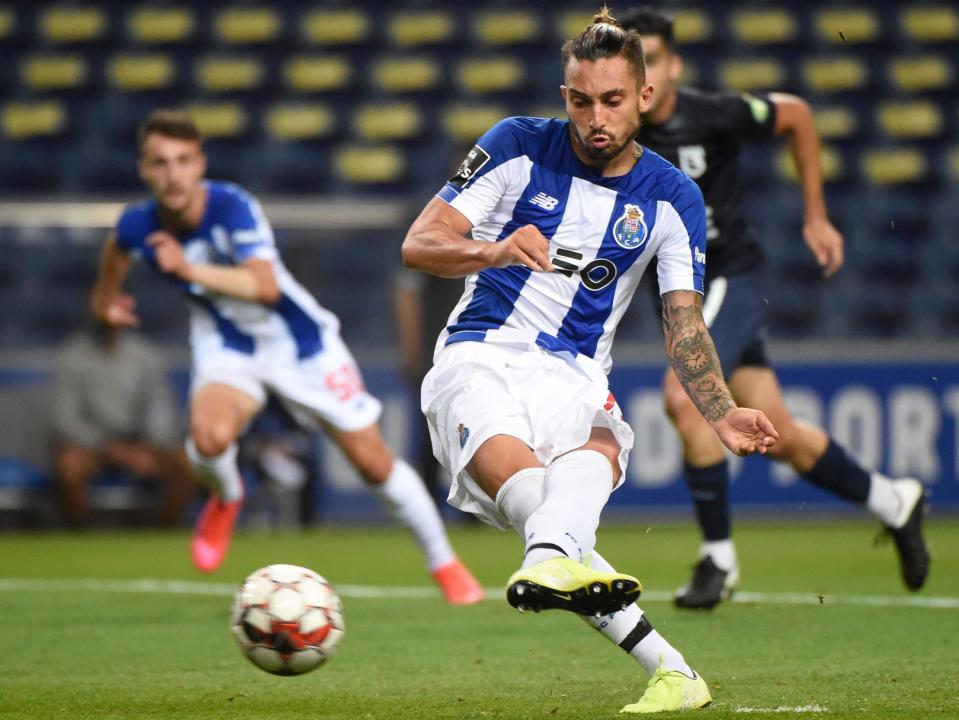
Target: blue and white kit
[
  {"x": 526, "y": 353},
  {"x": 292, "y": 349}
]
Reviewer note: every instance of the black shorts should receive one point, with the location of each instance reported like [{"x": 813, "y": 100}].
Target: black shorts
[{"x": 736, "y": 312}]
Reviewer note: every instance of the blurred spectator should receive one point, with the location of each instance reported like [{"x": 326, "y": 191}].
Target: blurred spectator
[{"x": 114, "y": 410}]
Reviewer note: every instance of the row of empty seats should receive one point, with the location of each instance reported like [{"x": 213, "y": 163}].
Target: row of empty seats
[{"x": 412, "y": 25}]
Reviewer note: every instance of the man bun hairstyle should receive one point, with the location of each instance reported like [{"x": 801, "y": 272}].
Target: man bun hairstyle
[
  {"x": 650, "y": 22},
  {"x": 606, "y": 38},
  {"x": 169, "y": 123}
]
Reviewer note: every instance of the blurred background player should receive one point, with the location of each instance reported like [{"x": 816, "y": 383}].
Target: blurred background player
[
  {"x": 254, "y": 330},
  {"x": 701, "y": 133},
  {"x": 114, "y": 410},
  {"x": 517, "y": 400}
]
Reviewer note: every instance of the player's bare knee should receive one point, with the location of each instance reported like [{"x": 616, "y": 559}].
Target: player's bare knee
[{"x": 213, "y": 439}]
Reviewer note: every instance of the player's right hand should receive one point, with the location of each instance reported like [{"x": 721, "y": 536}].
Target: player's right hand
[
  {"x": 524, "y": 246},
  {"x": 119, "y": 312}
]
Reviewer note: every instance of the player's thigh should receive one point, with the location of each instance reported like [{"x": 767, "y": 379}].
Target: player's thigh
[
  {"x": 218, "y": 414},
  {"x": 366, "y": 450},
  {"x": 603, "y": 441},
  {"x": 736, "y": 312},
  {"x": 76, "y": 464},
  {"x": 497, "y": 459}
]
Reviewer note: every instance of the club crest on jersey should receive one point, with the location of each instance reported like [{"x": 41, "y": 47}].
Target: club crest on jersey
[{"x": 630, "y": 230}]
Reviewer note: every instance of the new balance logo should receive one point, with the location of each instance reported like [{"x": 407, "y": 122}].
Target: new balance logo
[
  {"x": 699, "y": 255},
  {"x": 545, "y": 201}
]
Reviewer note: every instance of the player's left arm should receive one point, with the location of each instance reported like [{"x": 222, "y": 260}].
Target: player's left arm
[
  {"x": 795, "y": 119},
  {"x": 692, "y": 355}
]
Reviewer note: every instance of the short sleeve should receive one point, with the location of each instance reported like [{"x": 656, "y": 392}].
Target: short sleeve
[
  {"x": 681, "y": 258},
  {"x": 250, "y": 233},
  {"x": 132, "y": 229},
  {"x": 747, "y": 118},
  {"x": 484, "y": 175}
]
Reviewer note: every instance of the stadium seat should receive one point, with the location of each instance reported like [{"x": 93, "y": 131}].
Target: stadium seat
[
  {"x": 836, "y": 122},
  {"x": 692, "y": 26},
  {"x": 377, "y": 122},
  {"x": 465, "y": 123},
  {"x": 753, "y": 74},
  {"x": 45, "y": 72},
  {"x": 506, "y": 27},
  {"x": 141, "y": 72},
  {"x": 317, "y": 73},
  {"x": 247, "y": 25},
  {"x": 894, "y": 166},
  {"x": 33, "y": 119},
  {"x": 219, "y": 119},
  {"x": 570, "y": 24},
  {"x": 369, "y": 165},
  {"x": 910, "y": 120},
  {"x": 63, "y": 24},
  {"x": 833, "y": 168},
  {"x": 835, "y": 74},
  {"x": 152, "y": 25},
  {"x": 221, "y": 74},
  {"x": 480, "y": 76},
  {"x": 848, "y": 25},
  {"x": 291, "y": 122},
  {"x": 335, "y": 27},
  {"x": 921, "y": 74},
  {"x": 412, "y": 29},
  {"x": 406, "y": 74},
  {"x": 930, "y": 24},
  {"x": 8, "y": 22},
  {"x": 764, "y": 26}
]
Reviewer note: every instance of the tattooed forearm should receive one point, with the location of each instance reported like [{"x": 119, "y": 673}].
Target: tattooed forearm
[{"x": 692, "y": 355}]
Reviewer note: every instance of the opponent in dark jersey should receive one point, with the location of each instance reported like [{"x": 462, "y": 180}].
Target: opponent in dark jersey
[{"x": 701, "y": 133}]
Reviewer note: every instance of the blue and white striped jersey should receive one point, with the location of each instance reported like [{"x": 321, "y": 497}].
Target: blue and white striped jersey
[
  {"x": 234, "y": 229},
  {"x": 602, "y": 231}
]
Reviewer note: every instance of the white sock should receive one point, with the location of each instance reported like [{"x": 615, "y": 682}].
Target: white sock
[
  {"x": 624, "y": 627},
  {"x": 406, "y": 499},
  {"x": 519, "y": 497},
  {"x": 577, "y": 487},
  {"x": 220, "y": 474},
  {"x": 723, "y": 553},
  {"x": 884, "y": 502}
]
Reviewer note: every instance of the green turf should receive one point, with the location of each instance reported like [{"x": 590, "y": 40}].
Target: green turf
[{"x": 83, "y": 654}]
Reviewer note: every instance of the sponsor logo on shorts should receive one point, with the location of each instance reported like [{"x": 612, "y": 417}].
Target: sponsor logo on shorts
[{"x": 464, "y": 433}]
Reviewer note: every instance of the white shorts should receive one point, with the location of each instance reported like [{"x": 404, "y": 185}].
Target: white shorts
[
  {"x": 549, "y": 401},
  {"x": 327, "y": 386}
]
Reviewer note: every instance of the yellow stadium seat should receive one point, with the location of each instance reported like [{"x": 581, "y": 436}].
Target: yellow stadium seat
[
  {"x": 8, "y": 22},
  {"x": 919, "y": 74},
  {"x": 917, "y": 120},
  {"x": 690, "y": 73},
  {"x": 830, "y": 159},
  {"x": 406, "y": 74},
  {"x": 244, "y": 25},
  {"x": 317, "y": 73},
  {"x": 229, "y": 74},
  {"x": 893, "y": 166},
  {"x": 134, "y": 73},
  {"x": 24, "y": 120},
  {"x": 848, "y": 25},
  {"x": 408, "y": 29},
  {"x": 507, "y": 27},
  {"x": 764, "y": 26},
  {"x": 747, "y": 75},
  {"x": 218, "y": 120},
  {"x": 54, "y": 72},
  {"x": 835, "y": 74},
  {"x": 467, "y": 122},
  {"x": 152, "y": 25},
  {"x": 66, "y": 24},
  {"x": 835, "y": 123},
  {"x": 931, "y": 23},
  {"x": 571, "y": 24},
  {"x": 335, "y": 27},
  {"x": 487, "y": 75},
  {"x": 387, "y": 121},
  {"x": 369, "y": 164},
  {"x": 556, "y": 110},
  {"x": 692, "y": 26},
  {"x": 292, "y": 122}
]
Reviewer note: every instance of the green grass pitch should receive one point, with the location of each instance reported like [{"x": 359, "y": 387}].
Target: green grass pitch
[{"x": 80, "y": 641}]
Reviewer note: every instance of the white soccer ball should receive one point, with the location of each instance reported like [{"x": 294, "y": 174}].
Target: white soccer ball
[{"x": 287, "y": 619}]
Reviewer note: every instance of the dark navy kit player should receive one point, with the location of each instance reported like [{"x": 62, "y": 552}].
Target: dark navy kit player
[{"x": 702, "y": 134}]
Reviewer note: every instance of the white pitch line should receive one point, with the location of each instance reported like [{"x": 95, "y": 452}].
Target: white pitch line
[
  {"x": 783, "y": 709},
  {"x": 390, "y": 592}
]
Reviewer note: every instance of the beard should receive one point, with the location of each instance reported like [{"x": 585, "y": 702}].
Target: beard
[{"x": 600, "y": 156}]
